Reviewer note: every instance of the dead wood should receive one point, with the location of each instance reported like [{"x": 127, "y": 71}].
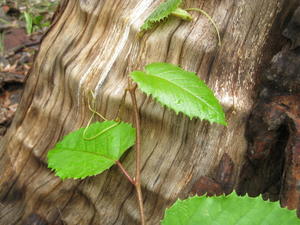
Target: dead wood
[{"x": 93, "y": 45}]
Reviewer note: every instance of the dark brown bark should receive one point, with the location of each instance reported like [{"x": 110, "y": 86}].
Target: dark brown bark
[
  {"x": 272, "y": 161},
  {"x": 93, "y": 45}
]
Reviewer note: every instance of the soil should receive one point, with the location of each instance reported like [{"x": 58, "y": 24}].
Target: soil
[{"x": 18, "y": 45}]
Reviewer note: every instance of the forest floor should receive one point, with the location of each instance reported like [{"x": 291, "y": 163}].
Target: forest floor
[{"x": 22, "y": 25}]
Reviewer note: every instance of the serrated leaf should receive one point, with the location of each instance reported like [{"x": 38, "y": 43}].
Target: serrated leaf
[
  {"x": 75, "y": 157},
  {"x": 179, "y": 90},
  {"x": 160, "y": 13},
  {"x": 228, "y": 210}
]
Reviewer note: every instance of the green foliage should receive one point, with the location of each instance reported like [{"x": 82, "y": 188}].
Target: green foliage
[
  {"x": 183, "y": 14},
  {"x": 34, "y": 23},
  {"x": 29, "y": 22},
  {"x": 163, "y": 11},
  {"x": 81, "y": 154},
  {"x": 228, "y": 210},
  {"x": 179, "y": 90},
  {"x": 171, "y": 7}
]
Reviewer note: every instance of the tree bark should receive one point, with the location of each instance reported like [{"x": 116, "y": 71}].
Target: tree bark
[{"x": 93, "y": 45}]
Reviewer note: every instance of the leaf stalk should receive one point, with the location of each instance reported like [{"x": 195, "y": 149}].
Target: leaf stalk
[
  {"x": 124, "y": 171},
  {"x": 137, "y": 180},
  {"x": 210, "y": 19}
]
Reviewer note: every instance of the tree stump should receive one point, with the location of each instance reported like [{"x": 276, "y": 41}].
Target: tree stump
[{"x": 93, "y": 45}]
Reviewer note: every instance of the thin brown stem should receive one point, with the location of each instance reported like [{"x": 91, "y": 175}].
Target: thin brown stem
[
  {"x": 124, "y": 171},
  {"x": 138, "y": 152}
]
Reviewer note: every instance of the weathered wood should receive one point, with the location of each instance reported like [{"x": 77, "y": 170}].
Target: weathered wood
[
  {"x": 93, "y": 46},
  {"x": 272, "y": 161}
]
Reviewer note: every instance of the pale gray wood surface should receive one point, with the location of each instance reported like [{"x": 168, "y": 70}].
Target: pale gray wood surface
[{"x": 93, "y": 46}]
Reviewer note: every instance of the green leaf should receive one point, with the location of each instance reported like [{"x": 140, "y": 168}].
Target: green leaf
[
  {"x": 228, "y": 210},
  {"x": 29, "y": 22},
  {"x": 37, "y": 20},
  {"x": 179, "y": 90},
  {"x": 46, "y": 24},
  {"x": 163, "y": 11},
  {"x": 75, "y": 157},
  {"x": 183, "y": 14}
]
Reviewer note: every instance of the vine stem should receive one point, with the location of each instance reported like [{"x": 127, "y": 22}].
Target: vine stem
[
  {"x": 137, "y": 180},
  {"x": 210, "y": 19},
  {"x": 124, "y": 171}
]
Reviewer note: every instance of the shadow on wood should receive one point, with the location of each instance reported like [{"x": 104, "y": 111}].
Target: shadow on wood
[{"x": 92, "y": 45}]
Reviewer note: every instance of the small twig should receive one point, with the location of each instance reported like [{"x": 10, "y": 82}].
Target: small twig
[
  {"x": 6, "y": 25},
  {"x": 15, "y": 50},
  {"x": 124, "y": 171},
  {"x": 131, "y": 90},
  {"x": 93, "y": 110},
  {"x": 4, "y": 21}
]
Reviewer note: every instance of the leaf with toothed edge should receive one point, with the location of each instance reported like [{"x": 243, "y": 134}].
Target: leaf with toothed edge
[
  {"x": 163, "y": 11},
  {"x": 179, "y": 90},
  {"x": 228, "y": 210},
  {"x": 75, "y": 157}
]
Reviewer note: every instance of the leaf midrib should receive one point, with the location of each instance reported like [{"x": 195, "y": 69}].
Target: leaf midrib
[
  {"x": 93, "y": 153},
  {"x": 213, "y": 109}
]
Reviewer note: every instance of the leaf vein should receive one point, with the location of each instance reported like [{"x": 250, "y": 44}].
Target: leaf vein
[{"x": 187, "y": 91}]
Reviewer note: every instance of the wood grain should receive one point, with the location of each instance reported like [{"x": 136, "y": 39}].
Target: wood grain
[{"x": 92, "y": 45}]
